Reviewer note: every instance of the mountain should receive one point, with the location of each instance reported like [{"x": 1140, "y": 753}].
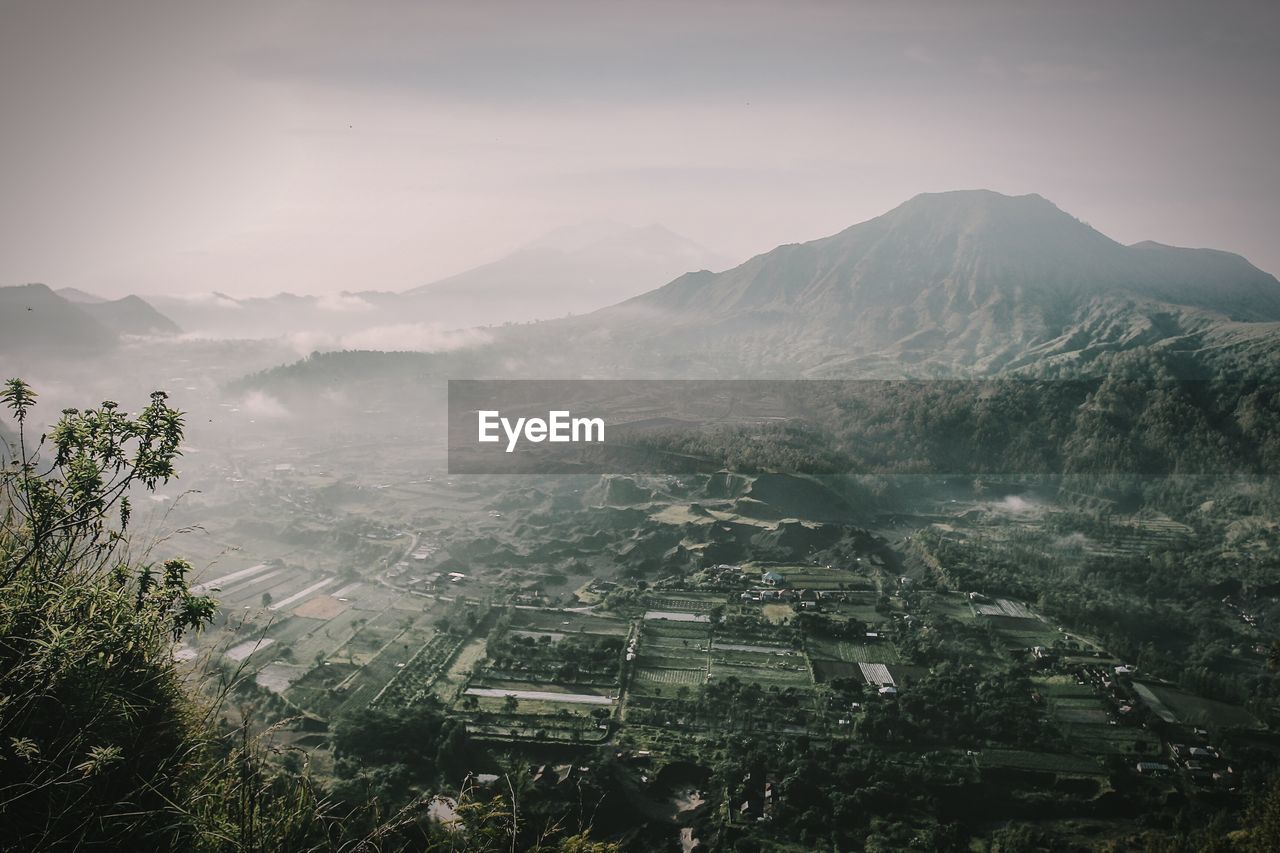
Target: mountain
[
  {"x": 75, "y": 294},
  {"x": 575, "y": 269},
  {"x": 35, "y": 319},
  {"x": 571, "y": 270},
  {"x": 969, "y": 280},
  {"x": 958, "y": 284},
  {"x": 130, "y": 316}
]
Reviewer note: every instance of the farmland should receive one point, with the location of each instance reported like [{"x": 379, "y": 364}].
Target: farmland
[{"x": 930, "y": 651}]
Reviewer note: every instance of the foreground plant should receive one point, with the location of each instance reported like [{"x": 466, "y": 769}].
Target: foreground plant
[{"x": 96, "y": 732}]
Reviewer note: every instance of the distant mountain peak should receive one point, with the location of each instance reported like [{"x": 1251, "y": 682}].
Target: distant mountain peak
[
  {"x": 75, "y": 294},
  {"x": 573, "y": 269},
  {"x": 578, "y": 235},
  {"x": 969, "y": 276}
]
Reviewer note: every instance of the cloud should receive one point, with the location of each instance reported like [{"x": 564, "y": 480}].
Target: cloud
[
  {"x": 344, "y": 302},
  {"x": 215, "y": 300},
  {"x": 260, "y": 404},
  {"x": 395, "y": 337},
  {"x": 1013, "y": 503},
  {"x": 414, "y": 337}
]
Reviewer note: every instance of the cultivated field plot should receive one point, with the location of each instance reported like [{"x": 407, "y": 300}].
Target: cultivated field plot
[
  {"x": 666, "y": 675},
  {"x": 723, "y": 646},
  {"x": 1104, "y": 740},
  {"x": 1071, "y": 704},
  {"x": 552, "y": 636},
  {"x": 679, "y": 640},
  {"x": 1140, "y": 536},
  {"x": 816, "y": 577},
  {"x": 213, "y": 579},
  {"x": 301, "y": 596},
  {"x": 1063, "y": 687},
  {"x": 1079, "y": 711},
  {"x": 568, "y": 622},
  {"x": 368, "y": 642},
  {"x": 1003, "y": 607},
  {"x": 673, "y": 659},
  {"x": 670, "y": 655},
  {"x": 247, "y": 589},
  {"x": 323, "y": 638},
  {"x": 829, "y": 670},
  {"x": 861, "y": 606},
  {"x": 778, "y": 614},
  {"x": 785, "y": 672},
  {"x": 367, "y": 658},
  {"x": 876, "y": 674},
  {"x": 953, "y": 605},
  {"x": 1045, "y": 762},
  {"x": 323, "y": 607},
  {"x": 540, "y": 695},
  {"x": 1021, "y": 632},
  {"x": 277, "y": 677},
  {"x": 691, "y": 602},
  {"x": 675, "y": 616},
  {"x": 246, "y": 592},
  {"x": 675, "y": 629},
  {"x": 321, "y": 691},
  {"x": 243, "y": 650},
  {"x": 851, "y": 652},
  {"x": 1175, "y": 706},
  {"x": 458, "y": 672}
]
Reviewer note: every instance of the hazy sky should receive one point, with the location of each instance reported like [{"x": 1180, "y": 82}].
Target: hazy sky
[{"x": 320, "y": 146}]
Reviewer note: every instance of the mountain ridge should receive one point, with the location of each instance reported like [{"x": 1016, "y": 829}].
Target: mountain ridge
[
  {"x": 960, "y": 284},
  {"x": 969, "y": 279}
]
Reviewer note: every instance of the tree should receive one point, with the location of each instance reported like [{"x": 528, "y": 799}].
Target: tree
[
  {"x": 92, "y": 707},
  {"x": 454, "y": 756}
]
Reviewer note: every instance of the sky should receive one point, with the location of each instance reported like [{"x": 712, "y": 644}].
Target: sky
[{"x": 314, "y": 147}]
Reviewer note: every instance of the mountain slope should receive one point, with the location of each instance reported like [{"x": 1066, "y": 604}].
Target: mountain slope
[
  {"x": 972, "y": 280},
  {"x": 130, "y": 316},
  {"x": 956, "y": 284},
  {"x": 78, "y": 296},
  {"x": 35, "y": 319},
  {"x": 572, "y": 270}
]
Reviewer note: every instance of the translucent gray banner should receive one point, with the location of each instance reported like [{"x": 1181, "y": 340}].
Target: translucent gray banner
[{"x": 1105, "y": 426}]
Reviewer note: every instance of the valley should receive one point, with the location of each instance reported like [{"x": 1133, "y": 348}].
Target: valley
[{"x": 971, "y": 636}]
